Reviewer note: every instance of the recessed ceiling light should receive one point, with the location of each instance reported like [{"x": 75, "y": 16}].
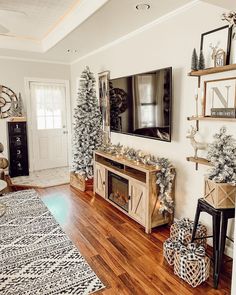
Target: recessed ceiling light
[
  {"x": 143, "y": 6},
  {"x": 71, "y": 50}
]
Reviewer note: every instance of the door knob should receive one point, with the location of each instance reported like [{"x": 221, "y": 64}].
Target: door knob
[{"x": 65, "y": 132}]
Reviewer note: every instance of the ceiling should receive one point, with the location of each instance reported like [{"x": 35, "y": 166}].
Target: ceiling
[
  {"x": 32, "y": 19},
  {"x": 47, "y": 29},
  {"x": 227, "y": 4}
]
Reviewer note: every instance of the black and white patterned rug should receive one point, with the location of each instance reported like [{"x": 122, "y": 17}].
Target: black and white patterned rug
[{"x": 36, "y": 256}]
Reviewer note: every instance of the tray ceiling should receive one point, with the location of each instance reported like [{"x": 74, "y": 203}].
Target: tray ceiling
[
  {"x": 32, "y": 19},
  {"x": 47, "y": 29}
]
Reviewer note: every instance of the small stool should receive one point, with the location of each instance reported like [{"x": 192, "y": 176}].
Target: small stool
[{"x": 220, "y": 221}]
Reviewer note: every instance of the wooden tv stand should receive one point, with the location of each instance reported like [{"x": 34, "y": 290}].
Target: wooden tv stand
[{"x": 141, "y": 202}]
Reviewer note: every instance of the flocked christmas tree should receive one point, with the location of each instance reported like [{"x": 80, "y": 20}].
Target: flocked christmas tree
[
  {"x": 20, "y": 106},
  {"x": 17, "y": 108},
  {"x": 222, "y": 155},
  {"x": 201, "y": 62},
  {"x": 194, "y": 64},
  {"x": 87, "y": 126}
]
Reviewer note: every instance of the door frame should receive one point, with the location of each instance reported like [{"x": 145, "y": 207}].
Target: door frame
[{"x": 27, "y": 81}]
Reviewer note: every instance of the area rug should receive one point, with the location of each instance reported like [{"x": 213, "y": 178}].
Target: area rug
[
  {"x": 36, "y": 256},
  {"x": 43, "y": 178}
]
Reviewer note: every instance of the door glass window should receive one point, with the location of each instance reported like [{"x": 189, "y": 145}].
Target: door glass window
[{"x": 49, "y": 103}]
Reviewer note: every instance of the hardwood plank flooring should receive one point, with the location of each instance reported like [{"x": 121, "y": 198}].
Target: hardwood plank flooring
[{"x": 125, "y": 258}]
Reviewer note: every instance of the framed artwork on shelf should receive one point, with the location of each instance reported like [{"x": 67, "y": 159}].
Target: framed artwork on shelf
[
  {"x": 216, "y": 45},
  {"x": 233, "y": 46},
  {"x": 219, "y": 94},
  {"x": 104, "y": 102}
]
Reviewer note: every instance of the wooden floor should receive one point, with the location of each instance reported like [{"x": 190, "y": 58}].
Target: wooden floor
[{"x": 127, "y": 260}]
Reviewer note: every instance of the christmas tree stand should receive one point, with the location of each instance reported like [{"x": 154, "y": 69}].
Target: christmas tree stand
[
  {"x": 219, "y": 195},
  {"x": 78, "y": 182}
]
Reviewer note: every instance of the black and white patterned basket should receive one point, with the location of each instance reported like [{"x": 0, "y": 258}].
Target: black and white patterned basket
[
  {"x": 191, "y": 264},
  {"x": 169, "y": 248},
  {"x": 182, "y": 230}
]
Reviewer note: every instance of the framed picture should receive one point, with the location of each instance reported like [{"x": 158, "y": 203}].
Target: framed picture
[
  {"x": 104, "y": 102},
  {"x": 219, "y": 93},
  {"x": 216, "y": 42},
  {"x": 233, "y": 46}
]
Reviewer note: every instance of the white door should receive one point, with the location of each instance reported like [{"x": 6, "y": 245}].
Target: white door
[{"x": 49, "y": 125}]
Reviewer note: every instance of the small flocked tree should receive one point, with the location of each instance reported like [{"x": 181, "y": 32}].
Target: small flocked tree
[
  {"x": 13, "y": 112},
  {"x": 194, "y": 63},
  {"x": 87, "y": 126},
  {"x": 201, "y": 62},
  {"x": 20, "y": 106},
  {"x": 222, "y": 155}
]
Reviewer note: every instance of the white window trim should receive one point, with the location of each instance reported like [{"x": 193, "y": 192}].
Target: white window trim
[{"x": 27, "y": 81}]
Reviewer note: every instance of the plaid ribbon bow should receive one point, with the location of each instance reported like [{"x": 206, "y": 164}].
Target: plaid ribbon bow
[
  {"x": 173, "y": 244},
  {"x": 183, "y": 225},
  {"x": 190, "y": 253}
]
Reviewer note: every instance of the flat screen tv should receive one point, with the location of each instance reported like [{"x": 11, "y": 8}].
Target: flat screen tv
[{"x": 141, "y": 104}]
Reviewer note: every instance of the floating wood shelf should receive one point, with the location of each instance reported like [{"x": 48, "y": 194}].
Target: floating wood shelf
[
  {"x": 212, "y": 70},
  {"x": 199, "y": 161},
  {"x": 193, "y": 118}
]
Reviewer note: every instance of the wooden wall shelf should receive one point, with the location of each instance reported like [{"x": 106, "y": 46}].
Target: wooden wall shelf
[
  {"x": 199, "y": 160},
  {"x": 193, "y": 118},
  {"x": 212, "y": 71}
]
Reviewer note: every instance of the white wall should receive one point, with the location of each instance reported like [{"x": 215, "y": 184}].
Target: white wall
[
  {"x": 12, "y": 75},
  {"x": 169, "y": 43}
]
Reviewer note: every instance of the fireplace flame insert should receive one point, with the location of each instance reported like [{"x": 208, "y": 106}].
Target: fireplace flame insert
[{"x": 118, "y": 190}]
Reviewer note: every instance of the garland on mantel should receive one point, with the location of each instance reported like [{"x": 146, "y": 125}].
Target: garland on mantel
[{"x": 165, "y": 176}]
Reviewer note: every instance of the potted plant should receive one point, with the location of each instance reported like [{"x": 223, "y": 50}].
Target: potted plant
[{"x": 220, "y": 185}]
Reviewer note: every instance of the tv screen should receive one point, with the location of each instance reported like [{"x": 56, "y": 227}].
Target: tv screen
[{"x": 141, "y": 104}]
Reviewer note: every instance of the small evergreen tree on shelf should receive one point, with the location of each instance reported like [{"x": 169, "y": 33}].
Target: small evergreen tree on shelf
[
  {"x": 194, "y": 64},
  {"x": 201, "y": 62},
  {"x": 222, "y": 155},
  {"x": 87, "y": 126},
  {"x": 20, "y": 106}
]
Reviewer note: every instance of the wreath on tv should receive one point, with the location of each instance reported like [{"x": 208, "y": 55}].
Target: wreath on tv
[{"x": 118, "y": 104}]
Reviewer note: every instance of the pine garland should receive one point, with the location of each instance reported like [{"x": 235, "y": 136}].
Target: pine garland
[
  {"x": 165, "y": 176},
  {"x": 87, "y": 126},
  {"x": 222, "y": 155}
]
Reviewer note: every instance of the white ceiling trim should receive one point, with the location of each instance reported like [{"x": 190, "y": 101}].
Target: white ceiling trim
[
  {"x": 83, "y": 10},
  {"x": 150, "y": 25},
  {"x": 9, "y": 42},
  {"x": 34, "y": 60}
]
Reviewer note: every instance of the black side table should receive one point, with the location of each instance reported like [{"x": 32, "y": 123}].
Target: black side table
[{"x": 220, "y": 221}]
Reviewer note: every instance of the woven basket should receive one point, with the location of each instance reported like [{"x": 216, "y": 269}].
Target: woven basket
[
  {"x": 193, "y": 270},
  {"x": 169, "y": 249},
  {"x": 219, "y": 195},
  {"x": 182, "y": 231},
  {"x": 78, "y": 182}
]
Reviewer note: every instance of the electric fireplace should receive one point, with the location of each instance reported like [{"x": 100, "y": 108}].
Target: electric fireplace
[{"x": 118, "y": 191}]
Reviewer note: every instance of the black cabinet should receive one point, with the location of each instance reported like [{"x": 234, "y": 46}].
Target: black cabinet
[{"x": 18, "y": 149}]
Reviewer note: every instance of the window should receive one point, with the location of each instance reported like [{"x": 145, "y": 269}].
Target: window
[{"x": 49, "y": 104}]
